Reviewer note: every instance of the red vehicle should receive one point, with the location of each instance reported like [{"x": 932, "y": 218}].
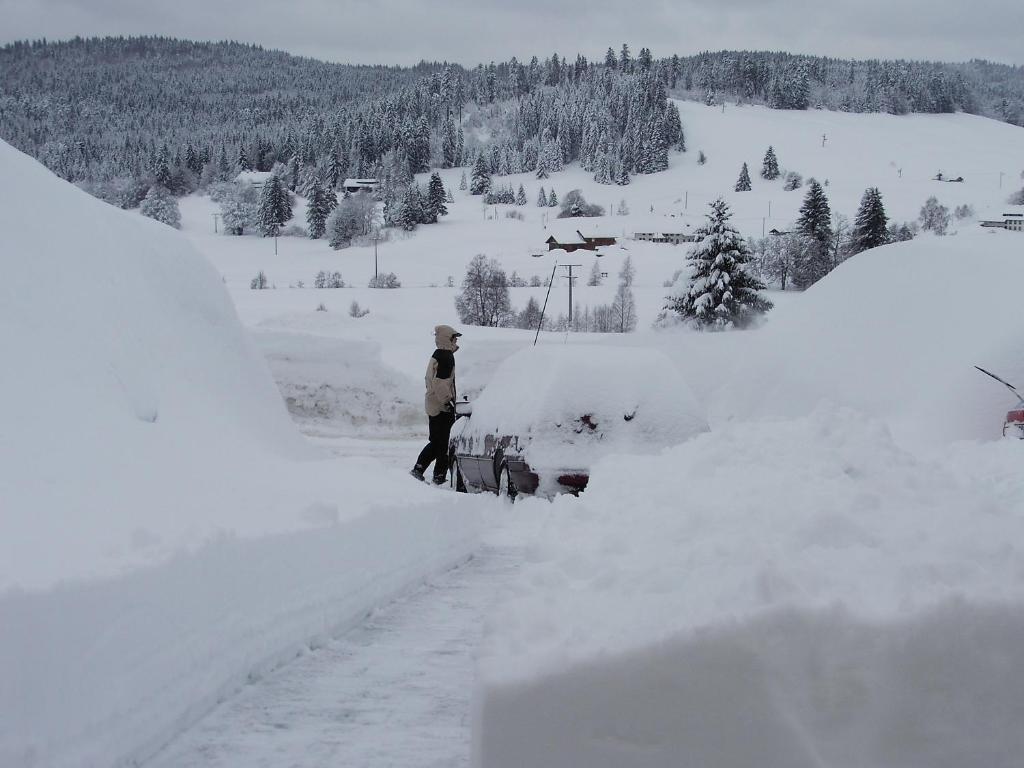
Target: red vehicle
[{"x": 1014, "y": 424}]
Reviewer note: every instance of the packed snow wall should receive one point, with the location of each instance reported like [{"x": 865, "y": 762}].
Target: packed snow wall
[{"x": 165, "y": 532}]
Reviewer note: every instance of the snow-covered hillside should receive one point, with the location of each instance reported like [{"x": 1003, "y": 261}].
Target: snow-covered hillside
[
  {"x": 898, "y": 154},
  {"x": 164, "y": 530}
]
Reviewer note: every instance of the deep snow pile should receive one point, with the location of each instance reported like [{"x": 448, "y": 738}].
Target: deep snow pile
[
  {"x": 164, "y": 530},
  {"x": 571, "y": 405},
  {"x": 335, "y": 385},
  {"x": 800, "y": 593},
  {"x": 895, "y": 332}
]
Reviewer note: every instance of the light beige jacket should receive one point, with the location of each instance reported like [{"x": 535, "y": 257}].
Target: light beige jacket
[{"x": 440, "y": 378}]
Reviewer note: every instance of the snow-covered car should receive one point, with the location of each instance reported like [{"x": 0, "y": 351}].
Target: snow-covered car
[{"x": 552, "y": 412}]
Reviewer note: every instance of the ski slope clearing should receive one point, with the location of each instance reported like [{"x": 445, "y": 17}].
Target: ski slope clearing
[{"x": 165, "y": 532}]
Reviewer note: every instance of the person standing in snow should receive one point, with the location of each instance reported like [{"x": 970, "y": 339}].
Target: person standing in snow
[{"x": 439, "y": 403}]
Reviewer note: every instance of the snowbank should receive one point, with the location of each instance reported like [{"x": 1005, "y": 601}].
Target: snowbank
[
  {"x": 895, "y": 332},
  {"x": 803, "y": 593},
  {"x": 164, "y": 529},
  {"x": 341, "y": 386},
  {"x": 571, "y": 405}
]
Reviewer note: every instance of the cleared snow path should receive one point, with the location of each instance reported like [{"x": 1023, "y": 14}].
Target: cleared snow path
[{"x": 394, "y": 692}]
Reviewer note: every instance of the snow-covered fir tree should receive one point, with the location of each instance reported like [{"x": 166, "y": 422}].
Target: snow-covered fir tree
[
  {"x": 721, "y": 292},
  {"x": 595, "y": 275},
  {"x": 320, "y": 203},
  {"x": 411, "y": 211},
  {"x": 743, "y": 182},
  {"x": 552, "y": 199},
  {"x": 770, "y": 166},
  {"x": 161, "y": 205},
  {"x": 275, "y": 207},
  {"x": 815, "y": 220},
  {"x": 815, "y": 225},
  {"x": 462, "y": 183},
  {"x": 481, "y": 176},
  {"x": 521, "y": 196},
  {"x": 542, "y": 198},
  {"x": 435, "y": 204},
  {"x": 869, "y": 229}
]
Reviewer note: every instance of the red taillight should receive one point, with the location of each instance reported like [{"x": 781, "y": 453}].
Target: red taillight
[
  {"x": 1015, "y": 417},
  {"x": 575, "y": 480}
]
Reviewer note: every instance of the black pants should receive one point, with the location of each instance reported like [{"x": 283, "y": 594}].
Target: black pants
[{"x": 440, "y": 428}]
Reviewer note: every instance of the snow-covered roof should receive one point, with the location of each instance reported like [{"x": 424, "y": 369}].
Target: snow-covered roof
[{"x": 253, "y": 177}]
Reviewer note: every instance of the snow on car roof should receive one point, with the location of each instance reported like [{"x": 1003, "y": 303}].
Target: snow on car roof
[{"x": 572, "y": 404}]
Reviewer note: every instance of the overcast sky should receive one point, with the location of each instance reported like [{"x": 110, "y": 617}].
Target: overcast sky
[{"x": 470, "y": 32}]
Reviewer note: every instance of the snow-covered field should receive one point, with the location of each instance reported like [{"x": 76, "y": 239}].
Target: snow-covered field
[{"x": 831, "y": 576}]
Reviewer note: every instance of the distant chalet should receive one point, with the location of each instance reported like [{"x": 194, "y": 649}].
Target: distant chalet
[
  {"x": 256, "y": 179},
  {"x": 1012, "y": 220},
  {"x": 585, "y": 243},
  {"x": 360, "y": 185},
  {"x": 673, "y": 238}
]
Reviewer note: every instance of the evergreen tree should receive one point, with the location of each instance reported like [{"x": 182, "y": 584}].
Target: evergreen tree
[
  {"x": 243, "y": 159},
  {"x": 223, "y": 167},
  {"x": 743, "y": 182},
  {"x": 275, "y": 207},
  {"x": 770, "y": 166},
  {"x": 160, "y": 204},
  {"x": 435, "y": 205},
  {"x": 869, "y": 229},
  {"x": 542, "y": 198},
  {"x": 162, "y": 172},
  {"x": 815, "y": 225},
  {"x": 552, "y": 200},
  {"x": 609, "y": 59},
  {"x": 595, "y": 275},
  {"x": 815, "y": 220},
  {"x": 462, "y": 184},
  {"x": 450, "y": 145},
  {"x": 481, "y": 176},
  {"x": 530, "y": 317},
  {"x": 411, "y": 212},
  {"x": 721, "y": 293},
  {"x": 320, "y": 205},
  {"x": 521, "y": 196}
]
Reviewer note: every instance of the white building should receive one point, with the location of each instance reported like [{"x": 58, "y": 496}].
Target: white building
[
  {"x": 255, "y": 178},
  {"x": 360, "y": 185},
  {"x": 1011, "y": 218},
  {"x": 675, "y": 238}
]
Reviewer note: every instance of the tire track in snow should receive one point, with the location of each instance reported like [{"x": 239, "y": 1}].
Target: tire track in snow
[{"x": 393, "y": 692}]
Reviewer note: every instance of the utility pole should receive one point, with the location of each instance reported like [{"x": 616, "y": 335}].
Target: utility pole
[
  {"x": 215, "y": 217},
  {"x": 823, "y": 139},
  {"x": 376, "y": 239},
  {"x": 769, "y": 209},
  {"x": 686, "y": 200},
  {"x": 570, "y": 267},
  {"x": 275, "y": 243}
]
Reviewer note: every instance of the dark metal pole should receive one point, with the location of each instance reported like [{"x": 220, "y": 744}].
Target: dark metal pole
[{"x": 540, "y": 324}]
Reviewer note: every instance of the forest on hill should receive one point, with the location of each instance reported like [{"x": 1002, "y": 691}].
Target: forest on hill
[{"x": 111, "y": 113}]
